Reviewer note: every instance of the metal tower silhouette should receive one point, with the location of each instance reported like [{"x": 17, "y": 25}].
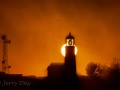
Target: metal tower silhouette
[{"x": 5, "y": 65}]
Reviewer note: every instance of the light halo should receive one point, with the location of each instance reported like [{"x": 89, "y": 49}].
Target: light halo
[{"x": 63, "y": 49}]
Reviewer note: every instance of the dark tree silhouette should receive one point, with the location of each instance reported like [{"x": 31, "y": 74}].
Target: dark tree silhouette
[
  {"x": 114, "y": 69},
  {"x": 91, "y": 68}
]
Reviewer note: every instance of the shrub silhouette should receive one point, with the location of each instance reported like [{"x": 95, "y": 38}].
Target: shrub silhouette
[{"x": 91, "y": 68}]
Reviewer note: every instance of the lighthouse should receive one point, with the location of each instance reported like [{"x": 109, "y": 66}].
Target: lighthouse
[
  {"x": 70, "y": 56},
  {"x": 68, "y": 68}
]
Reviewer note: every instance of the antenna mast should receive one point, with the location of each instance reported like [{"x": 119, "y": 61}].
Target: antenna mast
[{"x": 5, "y": 65}]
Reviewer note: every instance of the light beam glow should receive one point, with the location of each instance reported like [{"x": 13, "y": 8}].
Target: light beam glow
[{"x": 63, "y": 50}]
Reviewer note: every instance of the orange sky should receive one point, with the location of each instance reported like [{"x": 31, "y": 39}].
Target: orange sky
[{"x": 37, "y": 29}]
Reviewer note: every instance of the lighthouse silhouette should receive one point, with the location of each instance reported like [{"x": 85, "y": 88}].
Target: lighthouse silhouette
[
  {"x": 70, "y": 60},
  {"x": 68, "y": 68}
]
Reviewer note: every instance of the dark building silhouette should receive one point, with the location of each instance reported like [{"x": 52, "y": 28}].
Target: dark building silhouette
[
  {"x": 63, "y": 76},
  {"x": 55, "y": 70},
  {"x": 68, "y": 68}
]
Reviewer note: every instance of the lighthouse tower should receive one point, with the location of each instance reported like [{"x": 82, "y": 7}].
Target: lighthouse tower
[{"x": 70, "y": 60}]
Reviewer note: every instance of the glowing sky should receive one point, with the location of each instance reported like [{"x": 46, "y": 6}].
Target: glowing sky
[{"x": 37, "y": 29}]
